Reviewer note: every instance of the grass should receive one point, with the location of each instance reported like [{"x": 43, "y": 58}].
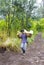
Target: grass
[
  {"x": 13, "y": 43},
  {"x": 42, "y": 34}
]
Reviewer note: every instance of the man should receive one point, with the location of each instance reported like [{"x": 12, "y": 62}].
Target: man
[
  {"x": 23, "y": 41},
  {"x": 23, "y": 34},
  {"x": 23, "y": 37}
]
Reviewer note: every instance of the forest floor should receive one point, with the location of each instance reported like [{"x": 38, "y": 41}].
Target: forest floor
[{"x": 34, "y": 54}]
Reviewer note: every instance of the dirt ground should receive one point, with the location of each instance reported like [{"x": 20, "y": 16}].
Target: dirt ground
[{"x": 34, "y": 54}]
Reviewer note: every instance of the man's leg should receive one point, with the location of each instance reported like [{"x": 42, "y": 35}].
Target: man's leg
[
  {"x": 23, "y": 50},
  {"x": 24, "y": 47}
]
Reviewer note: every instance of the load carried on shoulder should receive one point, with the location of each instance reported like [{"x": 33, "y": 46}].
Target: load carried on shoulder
[{"x": 28, "y": 33}]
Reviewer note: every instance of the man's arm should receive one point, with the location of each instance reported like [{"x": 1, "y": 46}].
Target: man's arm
[{"x": 28, "y": 34}]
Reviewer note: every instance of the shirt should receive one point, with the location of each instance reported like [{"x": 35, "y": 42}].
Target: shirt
[{"x": 24, "y": 38}]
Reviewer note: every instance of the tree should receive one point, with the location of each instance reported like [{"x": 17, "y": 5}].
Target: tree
[
  {"x": 17, "y": 9},
  {"x": 43, "y": 9}
]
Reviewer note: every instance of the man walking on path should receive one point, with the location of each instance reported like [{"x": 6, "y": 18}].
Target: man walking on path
[{"x": 23, "y": 35}]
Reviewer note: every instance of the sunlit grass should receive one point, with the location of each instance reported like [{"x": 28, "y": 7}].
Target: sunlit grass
[{"x": 13, "y": 43}]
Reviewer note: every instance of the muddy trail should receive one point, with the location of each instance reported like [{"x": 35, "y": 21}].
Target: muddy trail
[{"x": 34, "y": 54}]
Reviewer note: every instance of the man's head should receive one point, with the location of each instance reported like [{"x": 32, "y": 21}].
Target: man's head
[{"x": 22, "y": 31}]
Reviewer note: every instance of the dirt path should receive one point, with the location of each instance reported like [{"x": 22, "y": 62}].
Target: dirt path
[{"x": 34, "y": 54}]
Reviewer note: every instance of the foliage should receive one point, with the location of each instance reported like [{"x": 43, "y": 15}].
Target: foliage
[
  {"x": 36, "y": 26},
  {"x": 2, "y": 25},
  {"x": 16, "y": 25},
  {"x": 42, "y": 34},
  {"x": 18, "y": 14},
  {"x": 40, "y": 25}
]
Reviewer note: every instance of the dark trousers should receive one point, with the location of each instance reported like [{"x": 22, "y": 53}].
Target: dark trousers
[{"x": 23, "y": 50}]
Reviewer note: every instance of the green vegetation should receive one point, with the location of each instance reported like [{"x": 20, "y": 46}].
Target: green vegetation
[
  {"x": 14, "y": 42},
  {"x": 43, "y": 34},
  {"x": 17, "y": 15}
]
